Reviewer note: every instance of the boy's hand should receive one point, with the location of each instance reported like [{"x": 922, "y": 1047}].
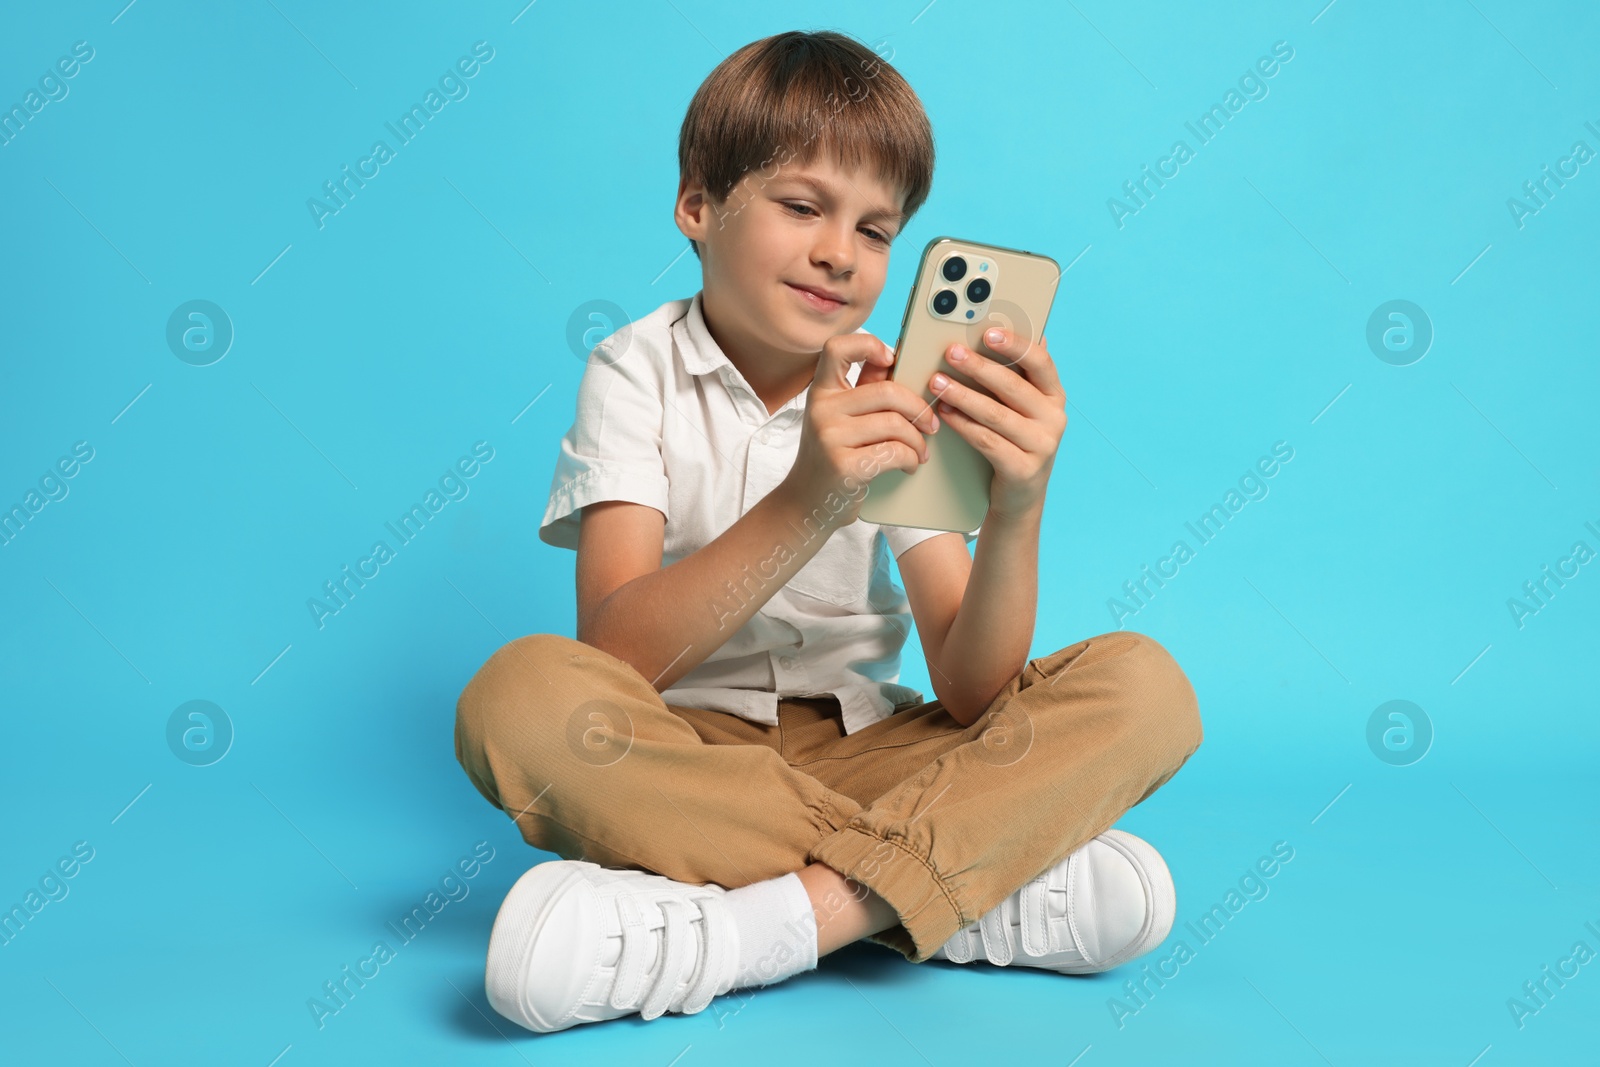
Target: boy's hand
[
  {"x": 851, "y": 435},
  {"x": 1019, "y": 429}
]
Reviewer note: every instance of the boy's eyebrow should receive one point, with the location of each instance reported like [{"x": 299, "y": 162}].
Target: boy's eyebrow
[{"x": 828, "y": 192}]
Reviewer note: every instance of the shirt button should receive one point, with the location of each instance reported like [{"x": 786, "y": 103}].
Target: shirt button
[{"x": 788, "y": 662}]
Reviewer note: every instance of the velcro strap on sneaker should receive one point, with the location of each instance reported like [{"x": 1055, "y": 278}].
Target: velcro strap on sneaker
[
  {"x": 996, "y": 935},
  {"x": 961, "y": 947},
  {"x": 625, "y": 991},
  {"x": 713, "y": 963},
  {"x": 1035, "y": 919},
  {"x": 675, "y": 947}
]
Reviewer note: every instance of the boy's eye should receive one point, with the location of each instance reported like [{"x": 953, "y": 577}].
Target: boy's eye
[{"x": 876, "y": 235}]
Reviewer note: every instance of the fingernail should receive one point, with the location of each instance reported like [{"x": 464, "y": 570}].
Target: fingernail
[
  {"x": 940, "y": 381},
  {"x": 957, "y": 354},
  {"x": 994, "y": 337}
]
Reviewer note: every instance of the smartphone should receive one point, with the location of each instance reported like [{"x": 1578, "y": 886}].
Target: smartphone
[{"x": 962, "y": 288}]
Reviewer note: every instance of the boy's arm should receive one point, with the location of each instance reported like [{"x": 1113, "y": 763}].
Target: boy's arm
[
  {"x": 975, "y": 614},
  {"x": 1018, "y": 430},
  {"x": 665, "y": 621}
]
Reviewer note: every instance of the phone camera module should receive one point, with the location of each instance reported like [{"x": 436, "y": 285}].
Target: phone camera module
[
  {"x": 978, "y": 290},
  {"x": 955, "y": 268},
  {"x": 945, "y": 301}
]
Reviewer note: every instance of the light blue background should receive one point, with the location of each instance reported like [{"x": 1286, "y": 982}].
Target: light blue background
[{"x": 1227, "y": 315}]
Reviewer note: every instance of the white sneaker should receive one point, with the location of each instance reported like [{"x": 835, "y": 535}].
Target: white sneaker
[
  {"x": 1108, "y": 902},
  {"x": 575, "y": 942}
]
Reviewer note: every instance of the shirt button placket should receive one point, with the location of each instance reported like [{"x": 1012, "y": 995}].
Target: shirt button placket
[
  {"x": 752, "y": 473},
  {"x": 761, "y": 469}
]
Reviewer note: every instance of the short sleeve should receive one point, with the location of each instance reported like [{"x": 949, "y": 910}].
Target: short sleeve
[
  {"x": 901, "y": 538},
  {"x": 613, "y": 450}
]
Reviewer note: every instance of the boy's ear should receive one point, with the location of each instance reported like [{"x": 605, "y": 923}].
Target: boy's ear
[{"x": 692, "y": 212}]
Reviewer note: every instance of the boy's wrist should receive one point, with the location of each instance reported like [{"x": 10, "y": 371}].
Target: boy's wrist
[
  {"x": 801, "y": 506},
  {"x": 1030, "y": 519}
]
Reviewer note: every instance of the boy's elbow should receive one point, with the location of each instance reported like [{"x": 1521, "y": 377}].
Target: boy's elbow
[
  {"x": 961, "y": 708},
  {"x": 601, "y": 641},
  {"x": 966, "y": 717},
  {"x": 615, "y": 646}
]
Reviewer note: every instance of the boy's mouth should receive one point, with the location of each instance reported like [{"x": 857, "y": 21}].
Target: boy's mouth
[{"x": 815, "y": 300}]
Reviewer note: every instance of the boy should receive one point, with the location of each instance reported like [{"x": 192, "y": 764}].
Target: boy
[{"x": 722, "y": 758}]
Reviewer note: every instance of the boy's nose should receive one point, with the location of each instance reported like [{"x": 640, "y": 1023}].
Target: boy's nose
[{"x": 834, "y": 252}]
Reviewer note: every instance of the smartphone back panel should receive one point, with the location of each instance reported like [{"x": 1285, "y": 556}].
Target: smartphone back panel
[{"x": 951, "y": 490}]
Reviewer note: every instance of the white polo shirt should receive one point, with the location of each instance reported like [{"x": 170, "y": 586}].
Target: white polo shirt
[{"x": 665, "y": 419}]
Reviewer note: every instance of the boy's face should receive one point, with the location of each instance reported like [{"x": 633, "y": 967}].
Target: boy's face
[{"x": 818, "y": 227}]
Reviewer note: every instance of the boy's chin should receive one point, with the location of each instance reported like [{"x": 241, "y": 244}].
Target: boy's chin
[
  {"x": 811, "y": 332},
  {"x": 809, "y": 341}
]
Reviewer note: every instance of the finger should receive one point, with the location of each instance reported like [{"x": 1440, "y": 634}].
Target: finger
[
  {"x": 994, "y": 446},
  {"x": 1015, "y": 391},
  {"x": 883, "y": 426},
  {"x": 877, "y": 368},
  {"x": 891, "y": 396},
  {"x": 872, "y": 460},
  {"x": 903, "y": 459},
  {"x": 1030, "y": 359},
  {"x": 832, "y": 375},
  {"x": 1023, "y": 432},
  {"x": 992, "y": 411}
]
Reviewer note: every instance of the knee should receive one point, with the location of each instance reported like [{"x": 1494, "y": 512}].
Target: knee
[
  {"x": 1160, "y": 695},
  {"x": 506, "y": 688}
]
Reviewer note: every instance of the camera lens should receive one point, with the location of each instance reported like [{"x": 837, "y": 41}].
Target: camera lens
[
  {"x": 955, "y": 268},
  {"x": 944, "y": 301},
  {"x": 978, "y": 290}
]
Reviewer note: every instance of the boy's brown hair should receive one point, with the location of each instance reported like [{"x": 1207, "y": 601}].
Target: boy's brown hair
[{"x": 785, "y": 99}]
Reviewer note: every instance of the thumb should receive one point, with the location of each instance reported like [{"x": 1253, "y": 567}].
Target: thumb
[
  {"x": 877, "y": 367},
  {"x": 833, "y": 366}
]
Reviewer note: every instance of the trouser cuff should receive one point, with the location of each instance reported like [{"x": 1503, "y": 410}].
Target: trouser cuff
[{"x": 928, "y": 914}]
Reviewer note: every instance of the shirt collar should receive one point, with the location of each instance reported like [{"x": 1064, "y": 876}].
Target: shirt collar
[{"x": 701, "y": 353}]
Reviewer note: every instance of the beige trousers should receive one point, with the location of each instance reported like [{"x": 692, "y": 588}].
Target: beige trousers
[{"x": 941, "y": 821}]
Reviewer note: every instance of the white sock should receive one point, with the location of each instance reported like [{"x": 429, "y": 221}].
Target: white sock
[{"x": 777, "y": 930}]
